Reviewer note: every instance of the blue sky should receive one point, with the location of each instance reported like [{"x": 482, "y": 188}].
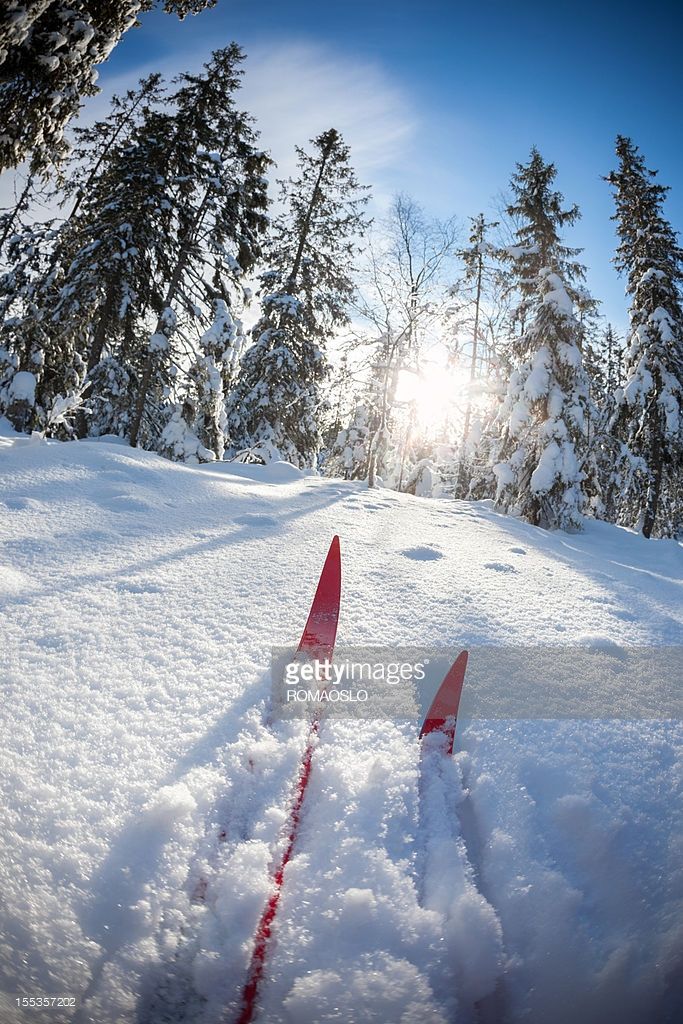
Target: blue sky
[{"x": 440, "y": 99}]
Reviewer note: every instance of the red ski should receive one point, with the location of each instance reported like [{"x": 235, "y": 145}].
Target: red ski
[
  {"x": 317, "y": 643},
  {"x": 320, "y": 631},
  {"x": 443, "y": 711}
]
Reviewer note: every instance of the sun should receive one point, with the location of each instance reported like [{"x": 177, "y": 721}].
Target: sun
[{"x": 437, "y": 392}]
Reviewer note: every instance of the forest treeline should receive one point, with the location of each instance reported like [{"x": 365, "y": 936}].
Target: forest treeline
[{"x": 124, "y": 312}]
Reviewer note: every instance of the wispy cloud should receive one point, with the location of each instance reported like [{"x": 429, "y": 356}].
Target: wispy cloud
[{"x": 296, "y": 90}]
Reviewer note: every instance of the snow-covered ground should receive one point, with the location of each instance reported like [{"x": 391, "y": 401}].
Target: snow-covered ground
[{"x": 536, "y": 877}]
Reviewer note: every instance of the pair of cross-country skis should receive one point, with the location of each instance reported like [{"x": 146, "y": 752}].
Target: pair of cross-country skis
[{"x": 317, "y": 644}]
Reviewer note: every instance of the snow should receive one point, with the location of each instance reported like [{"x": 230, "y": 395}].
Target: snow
[
  {"x": 555, "y": 294},
  {"x": 288, "y": 304},
  {"x": 519, "y": 417},
  {"x": 275, "y": 472},
  {"x": 546, "y": 472},
  {"x": 158, "y": 343},
  {"x": 536, "y": 383},
  {"x": 181, "y": 443},
  {"x": 169, "y": 804},
  {"x": 640, "y": 382},
  {"x": 665, "y": 323},
  {"x": 504, "y": 474},
  {"x": 223, "y": 330},
  {"x": 535, "y": 876},
  {"x": 515, "y": 252},
  {"x": 23, "y": 387}
]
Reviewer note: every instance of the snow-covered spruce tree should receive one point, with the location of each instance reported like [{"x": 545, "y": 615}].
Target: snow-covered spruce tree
[
  {"x": 48, "y": 53},
  {"x": 17, "y": 268},
  {"x": 613, "y": 351},
  {"x": 26, "y": 288},
  {"x": 276, "y": 404},
  {"x": 649, "y": 414},
  {"x": 348, "y": 454},
  {"x": 92, "y": 145},
  {"x": 99, "y": 280},
  {"x": 197, "y": 428},
  {"x": 113, "y": 250},
  {"x": 217, "y": 196},
  {"x": 542, "y": 422},
  {"x": 11, "y": 217},
  {"x": 606, "y": 465}
]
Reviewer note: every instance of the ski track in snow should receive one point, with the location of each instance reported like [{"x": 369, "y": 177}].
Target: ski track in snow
[{"x": 535, "y": 876}]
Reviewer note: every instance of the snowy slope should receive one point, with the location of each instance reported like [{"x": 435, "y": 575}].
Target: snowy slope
[{"x": 537, "y": 876}]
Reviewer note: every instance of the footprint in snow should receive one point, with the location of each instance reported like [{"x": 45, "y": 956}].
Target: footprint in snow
[
  {"x": 140, "y": 587},
  {"x": 518, "y": 551},
  {"x": 255, "y": 519},
  {"x": 621, "y": 613},
  {"x": 115, "y": 474},
  {"x": 21, "y": 503},
  {"x": 95, "y": 536},
  {"x": 422, "y": 554},
  {"x": 125, "y": 503},
  {"x": 50, "y": 643},
  {"x": 361, "y": 503},
  {"x": 500, "y": 566}
]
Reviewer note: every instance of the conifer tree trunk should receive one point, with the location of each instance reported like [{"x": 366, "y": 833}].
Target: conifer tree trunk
[
  {"x": 475, "y": 341},
  {"x": 96, "y": 349},
  {"x": 390, "y": 374},
  {"x": 104, "y": 152},
  {"x": 656, "y": 472},
  {"x": 22, "y": 202},
  {"x": 100, "y": 334},
  {"x": 315, "y": 199}
]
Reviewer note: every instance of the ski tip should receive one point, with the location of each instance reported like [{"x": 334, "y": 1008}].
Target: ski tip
[
  {"x": 460, "y": 662},
  {"x": 443, "y": 711},
  {"x": 320, "y": 632},
  {"x": 333, "y": 559}
]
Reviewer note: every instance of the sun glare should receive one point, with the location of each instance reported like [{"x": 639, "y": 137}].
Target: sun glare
[{"x": 437, "y": 392}]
